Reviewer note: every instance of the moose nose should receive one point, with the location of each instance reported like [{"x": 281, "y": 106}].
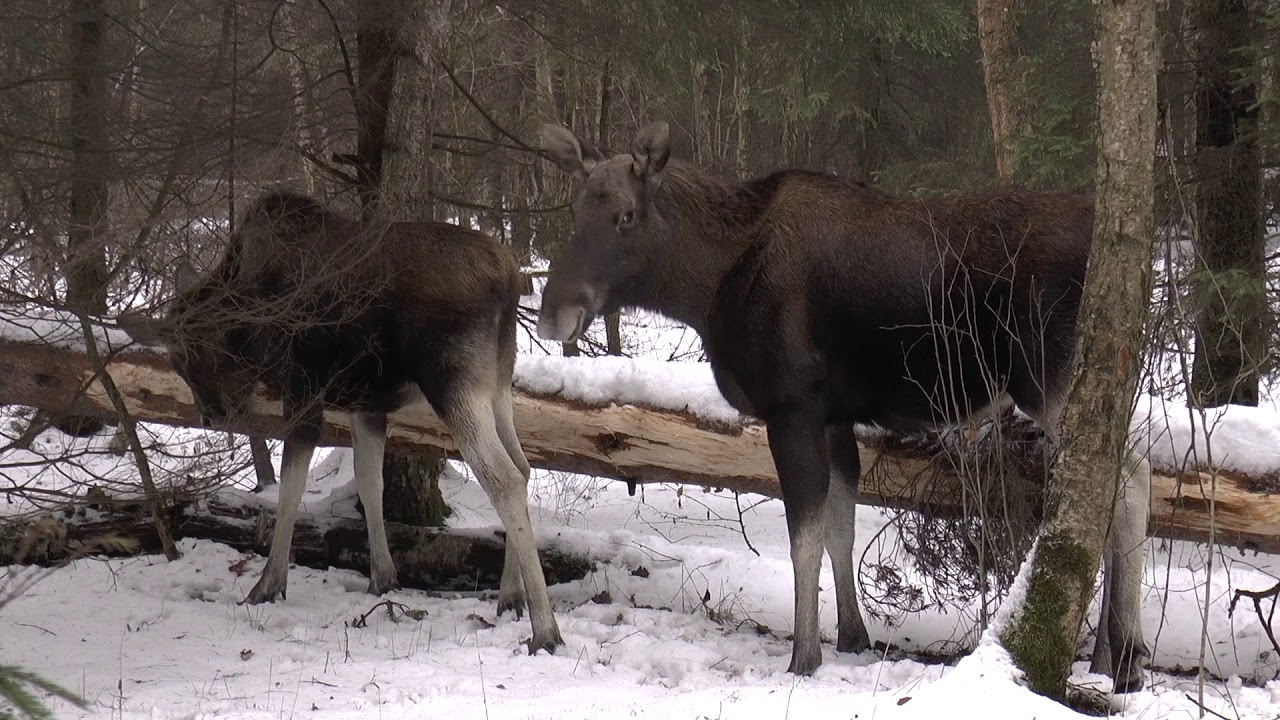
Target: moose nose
[{"x": 564, "y": 324}]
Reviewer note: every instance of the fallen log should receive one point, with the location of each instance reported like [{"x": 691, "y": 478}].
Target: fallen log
[
  {"x": 631, "y": 443},
  {"x": 426, "y": 558}
]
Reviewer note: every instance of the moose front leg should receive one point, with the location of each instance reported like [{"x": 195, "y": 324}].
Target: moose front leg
[
  {"x": 797, "y": 440},
  {"x": 304, "y": 420},
  {"x": 293, "y": 481}
]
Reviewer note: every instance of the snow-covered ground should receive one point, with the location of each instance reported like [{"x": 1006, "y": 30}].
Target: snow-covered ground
[
  {"x": 148, "y": 638},
  {"x": 681, "y": 618}
]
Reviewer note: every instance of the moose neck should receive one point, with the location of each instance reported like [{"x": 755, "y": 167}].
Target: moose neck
[{"x": 707, "y": 220}]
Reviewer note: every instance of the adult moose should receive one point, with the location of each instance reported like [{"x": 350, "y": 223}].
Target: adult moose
[
  {"x": 822, "y": 303},
  {"x": 331, "y": 312}
]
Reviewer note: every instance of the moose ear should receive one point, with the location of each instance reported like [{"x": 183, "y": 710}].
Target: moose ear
[
  {"x": 650, "y": 149},
  {"x": 567, "y": 151},
  {"x": 144, "y": 330}
]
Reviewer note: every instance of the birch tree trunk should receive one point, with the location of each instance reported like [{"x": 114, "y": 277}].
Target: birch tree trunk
[
  {"x": 1042, "y": 637},
  {"x": 998, "y": 37},
  {"x": 301, "y": 101}
]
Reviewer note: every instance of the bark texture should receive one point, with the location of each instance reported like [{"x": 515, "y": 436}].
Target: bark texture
[
  {"x": 1109, "y": 347},
  {"x": 998, "y": 37}
]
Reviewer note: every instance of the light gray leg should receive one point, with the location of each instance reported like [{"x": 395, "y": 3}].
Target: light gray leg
[
  {"x": 511, "y": 594},
  {"x": 1120, "y": 649},
  {"x": 472, "y": 422},
  {"x": 502, "y": 414},
  {"x": 806, "y": 566},
  {"x": 798, "y": 444},
  {"x": 293, "y": 481},
  {"x": 840, "y": 526},
  {"x": 368, "y": 442}
]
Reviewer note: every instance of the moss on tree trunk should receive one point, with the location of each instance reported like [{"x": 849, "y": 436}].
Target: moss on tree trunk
[{"x": 1062, "y": 574}]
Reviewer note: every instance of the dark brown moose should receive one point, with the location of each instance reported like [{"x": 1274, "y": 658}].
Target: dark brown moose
[
  {"x": 339, "y": 314},
  {"x": 822, "y": 303}
]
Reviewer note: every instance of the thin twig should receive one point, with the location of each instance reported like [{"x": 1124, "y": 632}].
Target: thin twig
[
  {"x": 1202, "y": 707},
  {"x": 485, "y": 113},
  {"x": 742, "y": 525}
]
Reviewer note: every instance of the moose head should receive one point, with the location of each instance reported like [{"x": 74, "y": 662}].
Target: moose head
[
  {"x": 204, "y": 344},
  {"x": 615, "y": 227}
]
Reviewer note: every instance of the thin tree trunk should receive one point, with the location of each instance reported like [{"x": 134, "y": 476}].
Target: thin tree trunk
[
  {"x": 741, "y": 91},
  {"x": 612, "y": 321},
  {"x": 1230, "y": 279},
  {"x": 698, "y": 111},
  {"x": 378, "y": 43},
  {"x": 613, "y": 333},
  {"x": 86, "y": 268},
  {"x": 263, "y": 470},
  {"x": 1095, "y": 425},
  {"x": 301, "y": 91},
  {"x": 998, "y": 37}
]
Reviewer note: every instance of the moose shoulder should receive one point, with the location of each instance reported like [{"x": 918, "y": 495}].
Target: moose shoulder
[
  {"x": 334, "y": 313},
  {"x": 822, "y": 303}
]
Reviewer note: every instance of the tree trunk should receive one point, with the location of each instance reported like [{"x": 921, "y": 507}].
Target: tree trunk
[
  {"x": 263, "y": 470},
  {"x": 613, "y": 333},
  {"x": 1095, "y": 425},
  {"x": 1230, "y": 279},
  {"x": 86, "y": 267},
  {"x": 300, "y": 102},
  {"x": 411, "y": 489},
  {"x": 399, "y": 42},
  {"x": 86, "y": 261},
  {"x": 998, "y": 37},
  {"x": 378, "y": 44}
]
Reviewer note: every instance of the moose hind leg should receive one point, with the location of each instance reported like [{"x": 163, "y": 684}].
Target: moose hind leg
[
  {"x": 797, "y": 441},
  {"x": 511, "y": 594},
  {"x": 840, "y": 525},
  {"x": 368, "y": 443},
  {"x": 469, "y": 415},
  {"x": 293, "y": 481},
  {"x": 1120, "y": 648}
]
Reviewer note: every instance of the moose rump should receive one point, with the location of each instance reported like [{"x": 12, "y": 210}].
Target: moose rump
[
  {"x": 822, "y": 303},
  {"x": 333, "y": 313}
]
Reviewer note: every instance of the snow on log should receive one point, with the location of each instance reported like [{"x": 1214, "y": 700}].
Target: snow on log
[{"x": 646, "y": 421}]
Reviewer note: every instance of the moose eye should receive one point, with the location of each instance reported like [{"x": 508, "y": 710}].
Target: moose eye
[{"x": 627, "y": 219}]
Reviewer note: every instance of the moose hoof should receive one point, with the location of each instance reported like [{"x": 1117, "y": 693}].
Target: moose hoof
[
  {"x": 1128, "y": 680},
  {"x": 513, "y": 602},
  {"x": 545, "y": 641}
]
